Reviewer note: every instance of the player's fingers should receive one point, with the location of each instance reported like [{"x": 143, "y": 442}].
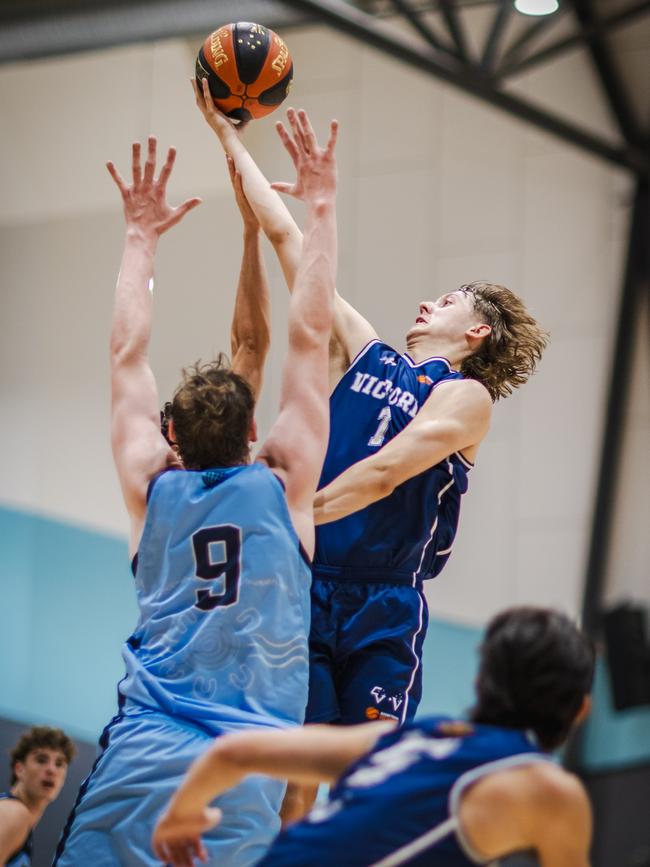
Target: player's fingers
[
  {"x": 135, "y": 162},
  {"x": 167, "y": 168},
  {"x": 117, "y": 177},
  {"x": 150, "y": 164},
  {"x": 307, "y": 130},
  {"x": 231, "y": 168},
  {"x": 207, "y": 96},
  {"x": 198, "y": 97},
  {"x": 298, "y": 134},
  {"x": 187, "y": 205},
  {"x": 334, "y": 131},
  {"x": 282, "y": 187},
  {"x": 288, "y": 142}
]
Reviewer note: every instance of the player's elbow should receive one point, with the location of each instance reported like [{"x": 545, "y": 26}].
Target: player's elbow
[
  {"x": 383, "y": 480},
  {"x": 280, "y": 232}
]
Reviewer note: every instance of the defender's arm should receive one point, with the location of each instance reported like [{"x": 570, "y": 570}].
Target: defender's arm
[
  {"x": 313, "y": 754},
  {"x": 250, "y": 334},
  {"x": 296, "y": 445},
  {"x": 139, "y": 449},
  {"x": 455, "y": 417},
  {"x": 350, "y": 328}
]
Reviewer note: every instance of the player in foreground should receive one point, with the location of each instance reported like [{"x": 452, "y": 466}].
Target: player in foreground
[
  {"x": 405, "y": 431},
  {"x": 221, "y": 572},
  {"x": 39, "y": 765},
  {"x": 439, "y": 791}
]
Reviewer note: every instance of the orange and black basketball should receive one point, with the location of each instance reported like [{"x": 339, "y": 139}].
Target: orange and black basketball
[{"x": 248, "y": 67}]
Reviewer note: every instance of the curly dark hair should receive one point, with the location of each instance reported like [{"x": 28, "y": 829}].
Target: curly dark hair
[
  {"x": 212, "y": 412},
  {"x": 535, "y": 669},
  {"x": 41, "y": 738},
  {"x": 509, "y": 354}
]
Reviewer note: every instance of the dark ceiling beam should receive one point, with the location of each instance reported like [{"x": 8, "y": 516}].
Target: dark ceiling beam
[
  {"x": 497, "y": 30},
  {"x": 635, "y": 282},
  {"x": 607, "y": 24},
  {"x": 533, "y": 31},
  {"x": 455, "y": 27},
  {"x": 34, "y": 31},
  {"x": 377, "y": 34},
  {"x": 415, "y": 20},
  {"x": 610, "y": 79}
]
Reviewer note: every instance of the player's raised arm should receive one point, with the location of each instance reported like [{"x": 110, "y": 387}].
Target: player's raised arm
[
  {"x": 139, "y": 449},
  {"x": 296, "y": 445},
  {"x": 350, "y": 328},
  {"x": 313, "y": 754},
  {"x": 455, "y": 417},
  {"x": 250, "y": 334}
]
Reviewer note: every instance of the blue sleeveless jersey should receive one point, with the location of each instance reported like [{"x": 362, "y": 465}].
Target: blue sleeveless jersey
[
  {"x": 223, "y": 591},
  {"x": 23, "y": 857},
  {"x": 408, "y": 534},
  {"x": 399, "y": 804}
]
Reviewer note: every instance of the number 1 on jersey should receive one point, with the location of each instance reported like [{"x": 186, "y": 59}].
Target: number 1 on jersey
[
  {"x": 384, "y": 420},
  {"x": 217, "y": 552}
]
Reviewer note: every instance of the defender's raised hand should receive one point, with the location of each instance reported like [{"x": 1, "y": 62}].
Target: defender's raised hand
[
  {"x": 145, "y": 201},
  {"x": 315, "y": 166}
]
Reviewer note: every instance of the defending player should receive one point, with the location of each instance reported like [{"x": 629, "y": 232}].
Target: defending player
[
  {"x": 405, "y": 430},
  {"x": 440, "y": 791},
  {"x": 221, "y": 572},
  {"x": 39, "y": 765}
]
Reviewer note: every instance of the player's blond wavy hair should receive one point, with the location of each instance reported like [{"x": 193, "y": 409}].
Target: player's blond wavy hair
[{"x": 510, "y": 353}]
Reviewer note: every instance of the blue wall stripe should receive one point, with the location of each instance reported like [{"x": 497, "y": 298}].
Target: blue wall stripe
[{"x": 68, "y": 604}]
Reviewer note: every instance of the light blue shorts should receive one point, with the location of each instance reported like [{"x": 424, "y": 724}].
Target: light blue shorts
[{"x": 145, "y": 756}]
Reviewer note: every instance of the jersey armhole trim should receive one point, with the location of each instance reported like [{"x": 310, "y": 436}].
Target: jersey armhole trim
[
  {"x": 301, "y": 548},
  {"x": 468, "y": 779}
]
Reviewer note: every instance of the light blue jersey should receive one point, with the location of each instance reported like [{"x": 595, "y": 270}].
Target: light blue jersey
[
  {"x": 223, "y": 591},
  {"x": 220, "y": 644}
]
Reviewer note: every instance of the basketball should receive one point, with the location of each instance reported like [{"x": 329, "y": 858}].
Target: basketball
[{"x": 248, "y": 67}]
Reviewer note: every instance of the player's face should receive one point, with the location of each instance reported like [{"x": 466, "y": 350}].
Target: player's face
[
  {"x": 42, "y": 774},
  {"x": 448, "y": 317}
]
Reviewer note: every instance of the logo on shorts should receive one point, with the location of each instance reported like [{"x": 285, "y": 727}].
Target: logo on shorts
[
  {"x": 393, "y": 702},
  {"x": 374, "y": 713}
]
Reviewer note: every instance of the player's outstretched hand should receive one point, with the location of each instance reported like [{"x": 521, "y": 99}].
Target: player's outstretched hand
[
  {"x": 251, "y": 223},
  {"x": 178, "y": 841},
  {"x": 145, "y": 200},
  {"x": 221, "y": 124},
  {"x": 315, "y": 166}
]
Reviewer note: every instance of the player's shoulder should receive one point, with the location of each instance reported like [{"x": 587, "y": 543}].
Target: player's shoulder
[
  {"x": 14, "y": 811},
  {"x": 471, "y": 389},
  {"x": 555, "y": 790},
  {"x": 539, "y": 785}
]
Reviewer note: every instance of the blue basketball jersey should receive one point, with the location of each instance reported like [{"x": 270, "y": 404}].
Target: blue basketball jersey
[
  {"x": 223, "y": 591},
  {"x": 23, "y": 857},
  {"x": 410, "y": 533},
  {"x": 399, "y": 804}
]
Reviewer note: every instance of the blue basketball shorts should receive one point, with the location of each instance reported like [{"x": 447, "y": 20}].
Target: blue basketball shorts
[
  {"x": 365, "y": 651},
  {"x": 145, "y": 756}
]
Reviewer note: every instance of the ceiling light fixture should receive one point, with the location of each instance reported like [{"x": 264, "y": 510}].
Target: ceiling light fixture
[{"x": 536, "y": 7}]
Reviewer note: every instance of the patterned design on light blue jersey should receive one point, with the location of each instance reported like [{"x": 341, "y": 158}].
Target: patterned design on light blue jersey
[
  {"x": 398, "y": 805},
  {"x": 223, "y": 591},
  {"x": 23, "y": 857},
  {"x": 409, "y": 534}
]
